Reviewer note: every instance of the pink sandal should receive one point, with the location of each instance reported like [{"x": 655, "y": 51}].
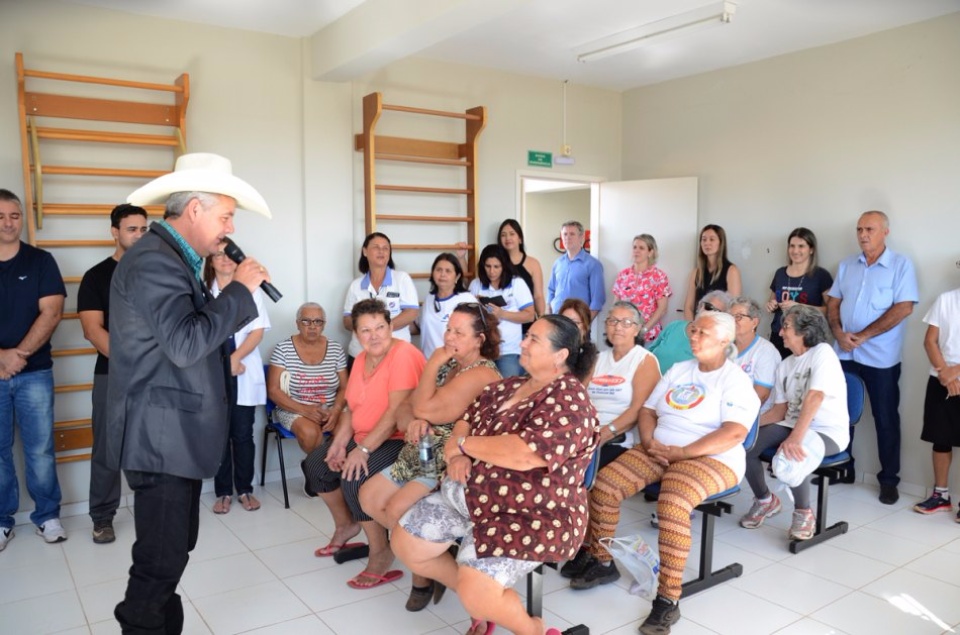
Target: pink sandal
[{"x": 491, "y": 626}]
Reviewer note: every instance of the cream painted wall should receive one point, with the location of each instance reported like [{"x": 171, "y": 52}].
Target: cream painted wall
[
  {"x": 545, "y": 213},
  {"x": 292, "y": 138},
  {"x": 813, "y": 139}
]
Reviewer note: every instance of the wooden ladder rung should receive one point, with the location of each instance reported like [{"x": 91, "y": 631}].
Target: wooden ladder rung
[
  {"x": 77, "y": 170},
  {"x": 68, "y": 134},
  {"x": 73, "y": 388},
  {"x": 72, "y": 279},
  {"x": 436, "y": 113},
  {"x": 71, "y": 352},
  {"x": 424, "y": 190},
  {"x": 383, "y": 156},
  {"x": 73, "y": 458},
  {"x": 46, "y": 244},
  {"x": 85, "y": 209},
  {"x": 70, "y": 316},
  {"x": 106, "y": 81},
  {"x": 421, "y": 217},
  {"x": 420, "y": 247}
]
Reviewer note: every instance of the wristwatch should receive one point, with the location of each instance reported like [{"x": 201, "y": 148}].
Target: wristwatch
[{"x": 612, "y": 429}]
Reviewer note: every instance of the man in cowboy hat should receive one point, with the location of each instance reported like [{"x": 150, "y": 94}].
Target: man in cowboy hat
[{"x": 168, "y": 377}]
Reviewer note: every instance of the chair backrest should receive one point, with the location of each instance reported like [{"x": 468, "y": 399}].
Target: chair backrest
[
  {"x": 855, "y": 397},
  {"x": 591, "y": 474},
  {"x": 751, "y": 439}
]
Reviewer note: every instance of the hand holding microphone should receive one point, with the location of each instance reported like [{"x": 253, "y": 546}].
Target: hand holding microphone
[{"x": 236, "y": 254}]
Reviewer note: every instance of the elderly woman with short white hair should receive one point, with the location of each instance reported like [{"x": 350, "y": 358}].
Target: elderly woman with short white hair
[{"x": 692, "y": 429}]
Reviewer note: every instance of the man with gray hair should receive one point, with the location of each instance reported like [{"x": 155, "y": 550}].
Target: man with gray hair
[
  {"x": 575, "y": 274},
  {"x": 167, "y": 413},
  {"x": 873, "y": 293}
]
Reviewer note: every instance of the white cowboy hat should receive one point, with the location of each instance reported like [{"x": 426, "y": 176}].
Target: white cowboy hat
[{"x": 201, "y": 172}]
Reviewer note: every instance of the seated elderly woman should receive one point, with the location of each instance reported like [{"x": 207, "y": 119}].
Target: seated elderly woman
[
  {"x": 672, "y": 345},
  {"x": 366, "y": 439},
  {"x": 691, "y": 433},
  {"x": 810, "y": 397},
  {"x": 453, "y": 377},
  {"x": 756, "y": 356},
  {"x": 307, "y": 379},
  {"x": 514, "y": 488}
]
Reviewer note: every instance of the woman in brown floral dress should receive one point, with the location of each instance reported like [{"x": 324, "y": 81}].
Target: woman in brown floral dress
[{"x": 514, "y": 486}]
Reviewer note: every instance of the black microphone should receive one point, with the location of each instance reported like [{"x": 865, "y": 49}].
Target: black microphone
[{"x": 236, "y": 254}]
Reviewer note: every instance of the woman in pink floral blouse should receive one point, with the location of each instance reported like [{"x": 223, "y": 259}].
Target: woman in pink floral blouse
[{"x": 645, "y": 285}]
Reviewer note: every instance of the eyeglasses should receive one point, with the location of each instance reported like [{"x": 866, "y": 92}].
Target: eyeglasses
[
  {"x": 710, "y": 307},
  {"x": 741, "y": 316},
  {"x": 479, "y": 308},
  {"x": 314, "y": 322},
  {"x": 626, "y": 323}
]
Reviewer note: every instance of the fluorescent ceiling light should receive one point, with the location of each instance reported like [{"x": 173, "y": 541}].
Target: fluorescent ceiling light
[{"x": 706, "y": 16}]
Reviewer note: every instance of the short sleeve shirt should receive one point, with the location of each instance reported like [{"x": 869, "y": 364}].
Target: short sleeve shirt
[
  {"x": 807, "y": 289},
  {"x": 94, "y": 295},
  {"x": 434, "y": 317},
  {"x": 369, "y": 396},
  {"x": 644, "y": 290},
  {"x": 759, "y": 361},
  {"x": 24, "y": 279},
  {"x": 691, "y": 403},
  {"x": 945, "y": 315},
  {"x": 866, "y": 293},
  {"x": 397, "y": 292},
  {"x": 517, "y": 297},
  {"x": 311, "y": 383},
  {"x": 817, "y": 369},
  {"x": 538, "y": 514}
]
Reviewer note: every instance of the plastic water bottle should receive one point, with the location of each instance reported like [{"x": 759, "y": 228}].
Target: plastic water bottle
[{"x": 428, "y": 460}]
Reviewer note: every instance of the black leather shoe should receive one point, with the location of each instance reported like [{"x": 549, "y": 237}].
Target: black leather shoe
[
  {"x": 574, "y": 568},
  {"x": 595, "y": 574},
  {"x": 663, "y": 615},
  {"x": 889, "y": 494},
  {"x": 419, "y": 598}
]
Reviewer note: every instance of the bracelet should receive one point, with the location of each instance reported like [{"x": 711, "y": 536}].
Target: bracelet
[
  {"x": 363, "y": 449},
  {"x": 613, "y": 429},
  {"x": 460, "y": 442}
]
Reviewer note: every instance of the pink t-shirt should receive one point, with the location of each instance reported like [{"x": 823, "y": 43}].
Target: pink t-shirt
[{"x": 369, "y": 396}]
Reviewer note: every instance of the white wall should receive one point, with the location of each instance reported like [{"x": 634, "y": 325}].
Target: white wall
[
  {"x": 545, "y": 212},
  {"x": 290, "y": 137},
  {"x": 813, "y": 139}
]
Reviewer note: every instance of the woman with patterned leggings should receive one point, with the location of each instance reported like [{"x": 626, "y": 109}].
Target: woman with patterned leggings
[{"x": 691, "y": 432}]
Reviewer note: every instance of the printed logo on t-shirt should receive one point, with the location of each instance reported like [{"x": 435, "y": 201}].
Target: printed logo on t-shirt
[
  {"x": 607, "y": 380},
  {"x": 747, "y": 368},
  {"x": 686, "y": 396}
]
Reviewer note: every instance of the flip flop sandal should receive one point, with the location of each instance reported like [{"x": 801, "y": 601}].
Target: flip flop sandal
[
  {"x": 389, "y": 576},
  {"x": 474, "y": 624},
  {"x": 331, "y": 549},
  {"x": 222, "y": 506},
  {"x": 249, "y": 502}
]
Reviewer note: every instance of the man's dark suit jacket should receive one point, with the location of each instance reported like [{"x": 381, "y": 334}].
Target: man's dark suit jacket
[{"x": 167, "y": 397}]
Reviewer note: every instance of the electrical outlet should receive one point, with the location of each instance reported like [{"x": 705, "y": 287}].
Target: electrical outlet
[{"x": 566, "y": 150}]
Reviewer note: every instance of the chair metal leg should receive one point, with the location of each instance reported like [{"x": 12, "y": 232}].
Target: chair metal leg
[
  {"x": 535, "y": 592},
  {"x": 707, "y": 577},
  {"x": 263, "y": 454},
  {"x": 283, "y": 472},
  {"x": 823, "y": 532}
]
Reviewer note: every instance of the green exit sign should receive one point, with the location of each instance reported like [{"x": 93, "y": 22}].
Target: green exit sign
[{"x": 540, "y": 159}]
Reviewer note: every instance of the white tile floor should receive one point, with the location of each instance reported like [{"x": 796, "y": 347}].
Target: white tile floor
[{"x": 895, "y": 572}]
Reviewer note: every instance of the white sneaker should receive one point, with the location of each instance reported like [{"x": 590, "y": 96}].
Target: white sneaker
[
  {"x": 52, "y": 531},
  {"x": 6, "y": 535}
]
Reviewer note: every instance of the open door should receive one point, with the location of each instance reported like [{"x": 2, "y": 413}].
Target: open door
[{"x": 663, "y": 208}]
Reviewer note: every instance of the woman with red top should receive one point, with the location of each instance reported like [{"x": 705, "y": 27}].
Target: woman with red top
[
  {"x": 645, "y": 285},
  {"x": 514, "y": 488},
  {"x": 366, "y": 440}
]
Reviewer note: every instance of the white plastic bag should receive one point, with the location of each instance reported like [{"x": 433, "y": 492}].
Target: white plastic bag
[
  {"x": 639, "y": 559},
  {"x": 792, "y": 473}
]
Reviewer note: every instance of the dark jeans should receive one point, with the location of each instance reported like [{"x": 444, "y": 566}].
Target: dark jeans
[
  {"x": 236, "y": 466},
  {"x": 167, "y": 517},
  {"x": 883, "y": 388},
  {"x": 104, "y": 481}
]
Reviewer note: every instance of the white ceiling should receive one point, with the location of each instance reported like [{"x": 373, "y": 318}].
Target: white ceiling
[{"x": 538, "y": 37}]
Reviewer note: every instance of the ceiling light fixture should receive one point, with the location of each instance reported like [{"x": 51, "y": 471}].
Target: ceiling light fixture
[{"x": 713, "y": 14}]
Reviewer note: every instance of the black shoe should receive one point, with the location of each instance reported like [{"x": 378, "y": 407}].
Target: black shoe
[
  {"x": 419, "y": 598},
  {"x": 103, "y": 532},
  {"x": 595, "y": 574},
  {"x": 574, "y": 568},
  {"x": 663, "y": 615},
  {"x": 889, "y": 494}
]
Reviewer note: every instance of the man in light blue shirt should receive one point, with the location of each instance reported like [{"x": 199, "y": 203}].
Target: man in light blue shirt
[
  {"x": 576, "y": 274},
  {"x": 872, "y": 295}
]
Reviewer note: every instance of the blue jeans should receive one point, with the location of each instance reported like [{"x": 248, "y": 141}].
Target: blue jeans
[
  {"x": 27, "y": 399},
  {"x": 509, "y": 366},
  {"x": 883, "y": 388}
]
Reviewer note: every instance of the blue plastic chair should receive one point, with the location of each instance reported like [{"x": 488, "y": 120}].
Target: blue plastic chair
[
  {"x": 830, "y": 468},
  {"x": 280, "y": 433},
  {"x": 711, "y": 509}
]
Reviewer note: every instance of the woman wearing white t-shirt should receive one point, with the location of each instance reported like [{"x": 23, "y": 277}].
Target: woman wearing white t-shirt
[
  {"x": 756, "y": 356},
  {"x": 810, "y": 397},
  {"x": 246, "y": 365},
  {"x": 507, "y": 296},
  {"x": 446, "y": 292},
  {"x": 692, "y": 429},
  {"x": 623, "y": 378}
]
